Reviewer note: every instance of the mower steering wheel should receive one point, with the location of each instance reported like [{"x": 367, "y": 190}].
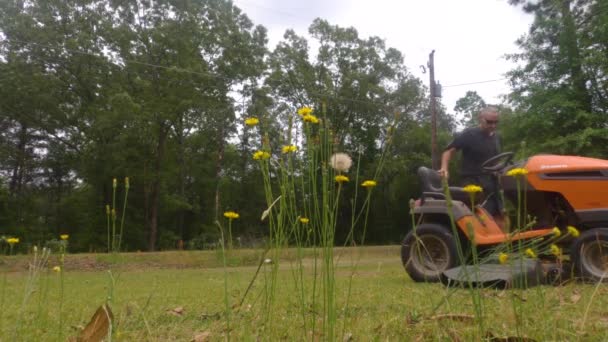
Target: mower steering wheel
[{"x": 498, "y": 162}]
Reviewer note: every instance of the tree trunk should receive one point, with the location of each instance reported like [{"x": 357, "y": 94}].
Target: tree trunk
[
  {"x": 18, "y": 173},
  {"x": 179, "y": 130},
  {"x": 146, "y": 190},
  {"x": 16, "y": 182},
  {"x": 155, "y": 189},
  {"x": 218, "y": 171}
]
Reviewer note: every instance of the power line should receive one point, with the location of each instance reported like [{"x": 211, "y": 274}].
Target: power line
[
  {"x": 206, "y": 74},
  {"x": 470, "y": 83},
  {"x": 173, "y": 68},
  {"x": 186, "y": 71},
  {"x": 211, "y": 75}
]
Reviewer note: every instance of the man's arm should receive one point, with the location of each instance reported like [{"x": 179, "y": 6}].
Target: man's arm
[{"x": 445, "y": 161}]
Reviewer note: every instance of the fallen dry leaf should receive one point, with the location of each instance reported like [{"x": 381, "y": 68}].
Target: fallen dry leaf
[
  {"x": 128, "y": 310},
  {"x": 603, "y": 319},
  {"x": 348, "y": 337},
  {"x": 204, "y": 336},
  {"x": 412, "y": 318},
  {"x": 98, "y": 327},
  {"x": 211, "y": 316},
  {"x": 497, "y": 294},
  {"x": 178, "y": 311},
  {"x": 453, "y": 317},
  {"x": 522, "y": 298},
  {"x": 491, "y": 338},
  {"x": 454, "y": 335},
  {"x": 576, "y": 296}
]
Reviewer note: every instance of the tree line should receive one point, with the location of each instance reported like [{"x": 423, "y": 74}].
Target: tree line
[{"x": 92, "y": 90}]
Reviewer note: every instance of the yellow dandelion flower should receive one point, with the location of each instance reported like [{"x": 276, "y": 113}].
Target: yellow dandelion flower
[
  {"x": 341, "y": 178},
  {"x": 557, "y": 232},
  {"x": 530, "y": 253},
  {"x": 289, "y": 148},
  {"x": 471, "y": 189},
  {"x": 252, "y": 121},
  {"x": 261, "y": 155},
  {"x": 369, "y": 184},
  {"x": 64, "y": 236},
  {"x": 311, "y": 118},
  {"x": 573, "y": 231},
  {"x": 503, "y": 258},
  {"x": 12, "y": 241},
  {"x": 555, "y": 250},
  {"x": 57, "y": 269},
  {"x": 518, "y": 171},
  {"x": 304, "y": 111},
  {"x": 231, "y": 215},
  {"x": 304, "y": 220}
]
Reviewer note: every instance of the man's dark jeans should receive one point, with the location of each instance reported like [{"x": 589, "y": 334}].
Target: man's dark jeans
[{"x": 489, "y": 184}]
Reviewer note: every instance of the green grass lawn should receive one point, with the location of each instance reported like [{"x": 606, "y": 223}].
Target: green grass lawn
[{"x": 177, "y": 295}]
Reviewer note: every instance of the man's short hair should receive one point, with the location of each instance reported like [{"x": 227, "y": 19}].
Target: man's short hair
[{"x": 488, "y": 109}]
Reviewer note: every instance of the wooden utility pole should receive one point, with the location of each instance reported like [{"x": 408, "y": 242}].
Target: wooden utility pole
[{"x": 434, "y": 153}]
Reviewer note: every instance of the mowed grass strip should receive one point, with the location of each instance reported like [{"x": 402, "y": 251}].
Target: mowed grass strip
[
  {"x": 190, "y": 259},
  {"x": 177, "y": 295}
]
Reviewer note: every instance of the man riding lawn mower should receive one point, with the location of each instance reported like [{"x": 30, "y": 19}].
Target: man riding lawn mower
[{"x": 563, "y": 205}]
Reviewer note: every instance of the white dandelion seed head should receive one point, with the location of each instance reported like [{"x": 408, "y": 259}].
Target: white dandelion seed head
[{"x": 340, "y": 162}]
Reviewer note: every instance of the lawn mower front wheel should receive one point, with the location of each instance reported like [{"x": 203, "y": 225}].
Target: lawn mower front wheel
[
  {"x": 427, "y": 251},
  {"x": 590, "y": 255}
]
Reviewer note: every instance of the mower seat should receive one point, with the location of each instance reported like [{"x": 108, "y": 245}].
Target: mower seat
[{"x": 431, "y": 184}]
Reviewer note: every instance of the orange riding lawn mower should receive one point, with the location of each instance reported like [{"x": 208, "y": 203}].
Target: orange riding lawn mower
[{"x": 561, "y": 203}]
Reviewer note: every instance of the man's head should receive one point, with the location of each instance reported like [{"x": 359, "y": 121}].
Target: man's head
[{"x": 488, "y": 119}]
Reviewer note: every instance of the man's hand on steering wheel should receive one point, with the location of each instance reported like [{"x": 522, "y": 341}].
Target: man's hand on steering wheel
[{"x": 498, "y": 162}]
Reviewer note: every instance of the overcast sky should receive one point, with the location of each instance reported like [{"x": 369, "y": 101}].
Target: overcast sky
[{"x": 470, "y": 37}]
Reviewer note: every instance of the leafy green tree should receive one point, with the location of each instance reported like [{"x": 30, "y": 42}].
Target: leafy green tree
[
  {"x": 560, "y": 89},
  {"x": 119, "y": 89},
  {"x": 468, "y": 107},
  {"x": 360, "y": 84},
  {"x": 181, "y": 61},
  {"x": 51, "y": 80},
  {"x": 93, "y": 90}
]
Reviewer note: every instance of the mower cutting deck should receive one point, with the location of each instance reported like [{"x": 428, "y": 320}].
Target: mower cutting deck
[{"x": 518, "y": 273}]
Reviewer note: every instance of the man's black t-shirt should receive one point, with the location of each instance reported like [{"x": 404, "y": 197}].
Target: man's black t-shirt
[{"x": 477, "y": 147}]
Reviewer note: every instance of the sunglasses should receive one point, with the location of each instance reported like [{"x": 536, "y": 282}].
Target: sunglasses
[{"x": 491, "y": 122}]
